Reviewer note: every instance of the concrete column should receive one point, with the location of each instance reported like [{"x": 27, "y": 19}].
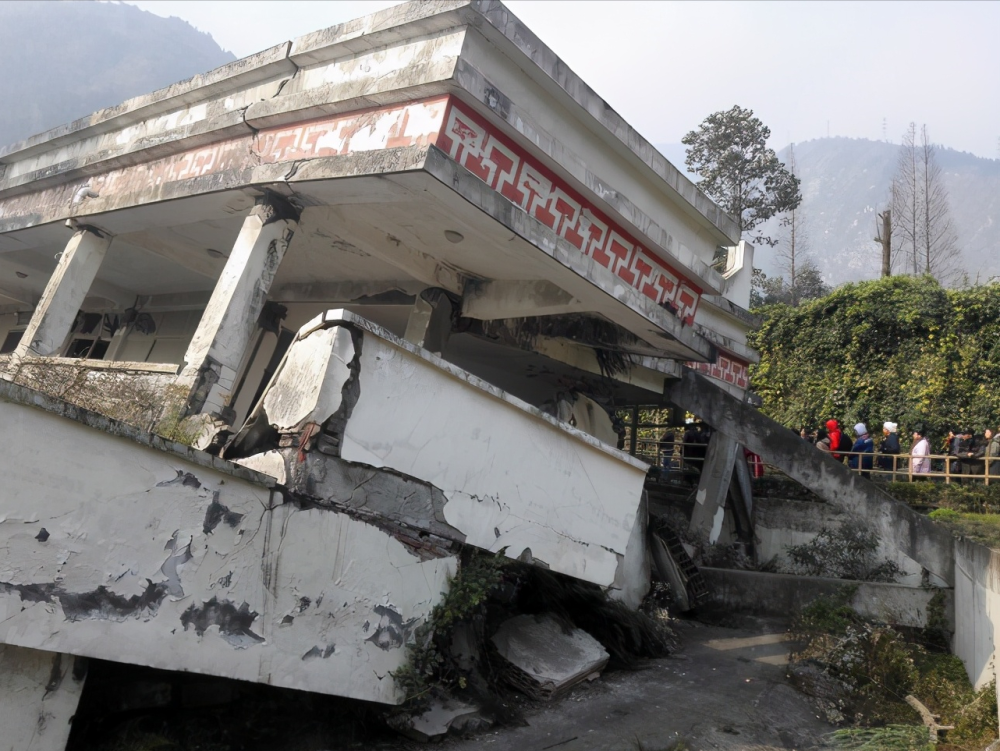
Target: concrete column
[
  {"x": 429, "y": 325},
  {"x": 713, "y": 487},
  {"x": 39, "y": 694},
  {"x": 214, "y": 355},
  {"x": 64, "y": 294}
]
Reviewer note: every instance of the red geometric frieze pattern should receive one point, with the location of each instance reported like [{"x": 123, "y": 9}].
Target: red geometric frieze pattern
[
  {"x": 725, "y": 369},
  {"x": 507, "y": 169}
]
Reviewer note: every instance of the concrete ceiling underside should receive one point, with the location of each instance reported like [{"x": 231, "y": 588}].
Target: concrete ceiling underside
[{"x": 368, "y": 234}]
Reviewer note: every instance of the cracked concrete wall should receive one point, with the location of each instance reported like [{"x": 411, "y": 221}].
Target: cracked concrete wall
[
  {"x": 510, "y": 479},
  {"x": 39, "y": 694},
  {"x": 509, "y": 475},
  {"x": 125, "y": 553}
]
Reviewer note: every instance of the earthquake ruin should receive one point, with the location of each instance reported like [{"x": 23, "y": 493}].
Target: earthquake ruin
[{"x": 281, "y": 340}]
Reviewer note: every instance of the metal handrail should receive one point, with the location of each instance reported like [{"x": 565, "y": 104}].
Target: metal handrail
[{"x": 986, "y": 468}]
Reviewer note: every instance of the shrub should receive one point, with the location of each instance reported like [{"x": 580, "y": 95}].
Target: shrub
[{"x": 848, "y": 552}]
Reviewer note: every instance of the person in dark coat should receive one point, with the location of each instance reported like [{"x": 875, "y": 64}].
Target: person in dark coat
[
  {"x": 889, "y": 449},
  {"x": 973, "y": 464},
  {"x": 864, "y": 446}
]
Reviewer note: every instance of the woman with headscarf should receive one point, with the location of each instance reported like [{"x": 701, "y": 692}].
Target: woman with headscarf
[
  {"x": 889, "y": 449},
  {"x": 862, "y": 450}
]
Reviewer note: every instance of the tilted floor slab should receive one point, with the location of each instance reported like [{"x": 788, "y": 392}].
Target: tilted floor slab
[{"x": 116, "y": 550}]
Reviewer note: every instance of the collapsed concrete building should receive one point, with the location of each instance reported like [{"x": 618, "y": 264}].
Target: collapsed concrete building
[{"x": 281, "y": 339}]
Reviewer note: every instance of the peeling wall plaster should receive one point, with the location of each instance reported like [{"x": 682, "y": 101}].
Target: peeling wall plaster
[
  {"x": 153, "y": 560},
  {"x": 511, "y": 479}
]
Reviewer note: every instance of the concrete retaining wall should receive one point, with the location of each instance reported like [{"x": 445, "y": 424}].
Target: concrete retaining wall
[
  {"x": 781, "y": 594},
  {"x": 780, "y": 524},
  {"x": 977, "y": 610}
]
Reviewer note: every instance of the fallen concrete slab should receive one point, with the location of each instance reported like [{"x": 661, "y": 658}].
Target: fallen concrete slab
[{"x": 544, "y": 658}]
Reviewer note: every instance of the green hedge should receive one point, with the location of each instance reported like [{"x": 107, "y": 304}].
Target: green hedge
[{"x": 901, "y": 349}]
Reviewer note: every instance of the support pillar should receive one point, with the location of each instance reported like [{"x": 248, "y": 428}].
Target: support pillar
[
  {"x": 226, "y": 328},
  {"x": 713, "y": 487},
  {"x": 39, "y": 694},
  {"x": 64, "y": 294},
  {"x": 429, "y": 325}
]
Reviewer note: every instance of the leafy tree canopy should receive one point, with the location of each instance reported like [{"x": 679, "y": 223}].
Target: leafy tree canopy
[
  {"x": 900, "y": 348},
  {"x": 729, "y": 152},
  {"x": 774, "y": 290}
]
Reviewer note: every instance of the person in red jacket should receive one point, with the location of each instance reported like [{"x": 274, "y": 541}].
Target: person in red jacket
[{"x": 833, "y": 430}]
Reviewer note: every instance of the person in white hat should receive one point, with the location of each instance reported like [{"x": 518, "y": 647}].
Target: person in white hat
[
  {"x": 862, "y": 445},
  {"x": 889, "y": 448}
]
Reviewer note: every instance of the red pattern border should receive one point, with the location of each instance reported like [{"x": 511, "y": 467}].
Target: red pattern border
[
  {"x": 725, "y": 369},
  {"x": 508, "y": 169}
]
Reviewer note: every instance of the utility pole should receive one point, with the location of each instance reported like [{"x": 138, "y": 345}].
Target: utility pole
[{"x": 884, "y": 237}]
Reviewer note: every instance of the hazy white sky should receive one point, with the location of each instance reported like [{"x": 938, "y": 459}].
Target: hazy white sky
[{"x": 807, "y": 69}]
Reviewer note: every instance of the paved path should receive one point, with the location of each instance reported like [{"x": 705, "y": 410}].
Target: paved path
[{"x": 723, "y": 689}]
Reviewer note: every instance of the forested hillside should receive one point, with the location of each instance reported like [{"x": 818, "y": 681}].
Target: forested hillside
[
  {"x": 62, "y": 61},
  {"x": 901, "y": 349}
]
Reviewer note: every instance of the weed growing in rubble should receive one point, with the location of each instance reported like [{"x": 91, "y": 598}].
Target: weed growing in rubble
[
  {"x": 850, "y": 551},
  {"x": 428, "y": 667}
]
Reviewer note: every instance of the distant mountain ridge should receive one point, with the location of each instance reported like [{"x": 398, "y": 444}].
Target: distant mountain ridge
[
  {"x": 64, "y": 60},
  {"x": 845, "y": 183}
]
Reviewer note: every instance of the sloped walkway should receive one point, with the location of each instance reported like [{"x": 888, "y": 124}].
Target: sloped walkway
[{"x": 724, "y": 689}]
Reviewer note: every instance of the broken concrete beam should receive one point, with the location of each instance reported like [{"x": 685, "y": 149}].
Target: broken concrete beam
[
  {"x": 545, "y": 660},
  {"x": 39, "y": 693}
]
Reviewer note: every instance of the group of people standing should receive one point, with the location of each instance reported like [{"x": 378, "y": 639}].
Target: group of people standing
[{"x": 968, "y": 453}]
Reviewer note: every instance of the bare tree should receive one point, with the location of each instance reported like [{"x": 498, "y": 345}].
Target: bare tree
[
  {"x": 793, "y": 244},
  {"x": 883, "y": 236},
  {"x": 923, "y": 234},
  {"x": 906, "y": 202},
  {"x": 938, "y": 241}
]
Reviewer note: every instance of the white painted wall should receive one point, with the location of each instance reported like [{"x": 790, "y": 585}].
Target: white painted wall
[
  {"x": 514, "y": 477},
  {"x": 137, "y": 522}
]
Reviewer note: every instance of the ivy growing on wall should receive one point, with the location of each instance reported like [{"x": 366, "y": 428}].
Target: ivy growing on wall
[{"x": 901, "y": 348}]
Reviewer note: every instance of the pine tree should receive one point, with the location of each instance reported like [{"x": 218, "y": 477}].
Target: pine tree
[{"x": 739, "y": 171}]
